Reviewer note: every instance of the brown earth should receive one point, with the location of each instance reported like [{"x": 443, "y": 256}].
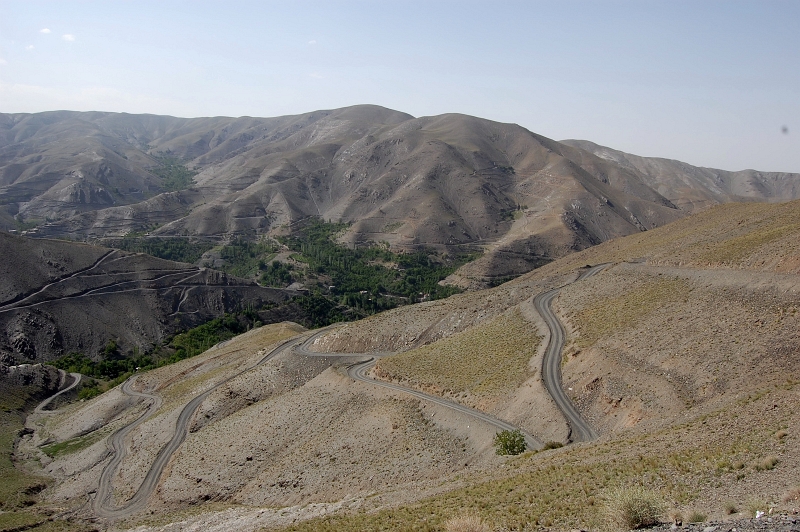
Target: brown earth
[
  {"x": 452, "y": 181},
  {"x": 59, "y": 297},
  {"x": 683, "y": 354}
]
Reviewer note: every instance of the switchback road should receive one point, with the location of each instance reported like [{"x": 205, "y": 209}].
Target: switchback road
[
  {"x": 104, "y": 507},
  {"x": 359, "y": 371},
  {"x": 580, "y": 430},
  {"x": 76, "y": 379}
]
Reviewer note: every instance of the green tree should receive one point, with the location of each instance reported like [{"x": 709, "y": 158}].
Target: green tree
[{"x": 509, "y": 442}]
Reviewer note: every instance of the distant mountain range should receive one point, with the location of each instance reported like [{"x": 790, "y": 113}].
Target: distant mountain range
[{"x": 448, "y": 181}]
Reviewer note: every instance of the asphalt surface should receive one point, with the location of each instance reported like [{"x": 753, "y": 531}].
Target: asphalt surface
[
  {"x": 102, "y": 503},
  {"x": 40, "y": 409},
  {"x": 580, "y": 429},
  {"x": 359, "y": 371}
]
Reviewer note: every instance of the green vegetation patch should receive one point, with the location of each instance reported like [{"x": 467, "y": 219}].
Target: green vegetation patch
[
  {"x": 606, "y": 316},
  {"x": 243, "y": 258},
  {"x": 488, "y": 359},
  {"x": 74, "y": 445},
  {"x": 173, "y": 171},
  {"x": 371, "y": 278},
  {"x": 114, "y": 367},
  {"x": 177, "y": 249}
]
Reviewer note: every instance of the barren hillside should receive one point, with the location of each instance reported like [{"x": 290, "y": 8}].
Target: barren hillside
[
  {"x": 682, "y": 354},
  {"x": 448, "y": 181},
  {"x": 62, "y": 297}
]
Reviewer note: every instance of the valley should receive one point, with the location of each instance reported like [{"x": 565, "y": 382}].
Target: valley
[
  {"x": 692, "y": 403},
  {"x": 369, "y": 298},
  {"x": 452, "y": 182}
]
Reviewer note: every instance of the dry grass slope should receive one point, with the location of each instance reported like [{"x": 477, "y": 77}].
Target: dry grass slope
[
  {"x": 696, "y": 464},
  {"x": 484, "y": 362}
]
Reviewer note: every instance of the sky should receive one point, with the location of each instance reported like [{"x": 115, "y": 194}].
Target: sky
[{"x": 711, "y": 83}]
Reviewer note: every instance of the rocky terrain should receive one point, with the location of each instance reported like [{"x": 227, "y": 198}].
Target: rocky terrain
[
  {"x": 682, "y": 354},
  {"x": 449, "y": 181},
  {"x": 59, "y": 297}
]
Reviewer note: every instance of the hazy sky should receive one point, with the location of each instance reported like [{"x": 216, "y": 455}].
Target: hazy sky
[{"x": 712, "y": 83}]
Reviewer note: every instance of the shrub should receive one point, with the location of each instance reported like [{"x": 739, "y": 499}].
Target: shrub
[
  {"x": 552, "y": 445},
  {"x": 731, "y": 508},
  {"x": 767, "y": 464},
  {"x": 676, "y": 517},
  {"x": 466, "y": 523},
  {"x": 89, "y": 392},
  {"x": 633, "y": 507},
  {"x": 509, "y": 442},
  {"x": 696, "y": 517},
  {"x": 756, "y": 505},
  {"x": 792, "y": 494}
]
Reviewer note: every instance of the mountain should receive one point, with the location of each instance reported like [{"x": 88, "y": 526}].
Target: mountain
[
  {"x": 448, "y": 181},
  {"x": 61, "y": 297},
  {"x": 692, "y": 188},
  {"x": 681, "y": 353}
]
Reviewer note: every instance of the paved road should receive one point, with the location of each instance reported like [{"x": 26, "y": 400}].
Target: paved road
[
  {"x": 102, "y": 503},
  {"x": 359, "y": 370},
  {"x": 580, "y": 430},
  {"x": 76, "y": 379}
]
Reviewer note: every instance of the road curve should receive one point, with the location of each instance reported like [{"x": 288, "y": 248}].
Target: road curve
[
  {"x": 102, "y": 503},
  {"x": 76, "y": 379},
  {"x": 579, "y": 429},
  {"x": 117, "y": 448},
  {"x": 103, "y": 506},
  {"x": 358, "y": 371}
]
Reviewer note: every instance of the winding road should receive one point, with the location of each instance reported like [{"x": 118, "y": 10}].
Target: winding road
[
  {"x": 358, "y": 371},
  {"x": 102, "y": 503},
  {"x": 77, "y": 379},
  {"x": 103, "y": 506},
  {"x": 579, "y": 429}
]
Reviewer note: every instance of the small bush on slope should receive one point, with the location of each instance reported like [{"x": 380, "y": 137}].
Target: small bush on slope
[
  {"x": 466, "y": 523},
  {"x": 509, "y": 442},
  {"x": 633, "y": 507}
]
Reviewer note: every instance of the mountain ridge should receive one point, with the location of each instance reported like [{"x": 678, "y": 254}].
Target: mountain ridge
[{"x": 448, "y": 181}]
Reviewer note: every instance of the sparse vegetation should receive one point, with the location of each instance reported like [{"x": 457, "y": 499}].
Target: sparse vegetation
[
  {"x": 607, "y": 315},
  {"x": 509, "y": 442},
  {"x": 792, "y": 494},
  {"x": 19, "y": 490},
  {"x": 486, "y": 360},
  {"x": 696, "y": 516},
  {"x": 633, "y": 507},
  {"x": 173, "y": 171},
  {"x": 766, "y": 463},
  {"x": 552, "y": 445},
  {"x": 754, "y": 506},
  {"x": 469, "y": 522},
  {"x": 731, "y": 508},
  {"x": 177, "y": 249}
]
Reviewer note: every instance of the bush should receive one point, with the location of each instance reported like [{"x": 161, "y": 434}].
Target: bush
[
  {"x": 696, "y": 517},
  {"x": 633, "y": 507},
  {"x": 767, "y": 464},
  {"x": 552, "y": 445},
  {"x": 88, "y": 392},
  {"x": 792, "y": 494},
  {"x": 466, "y": 523},
  {"x": 509, "y": 442}
]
